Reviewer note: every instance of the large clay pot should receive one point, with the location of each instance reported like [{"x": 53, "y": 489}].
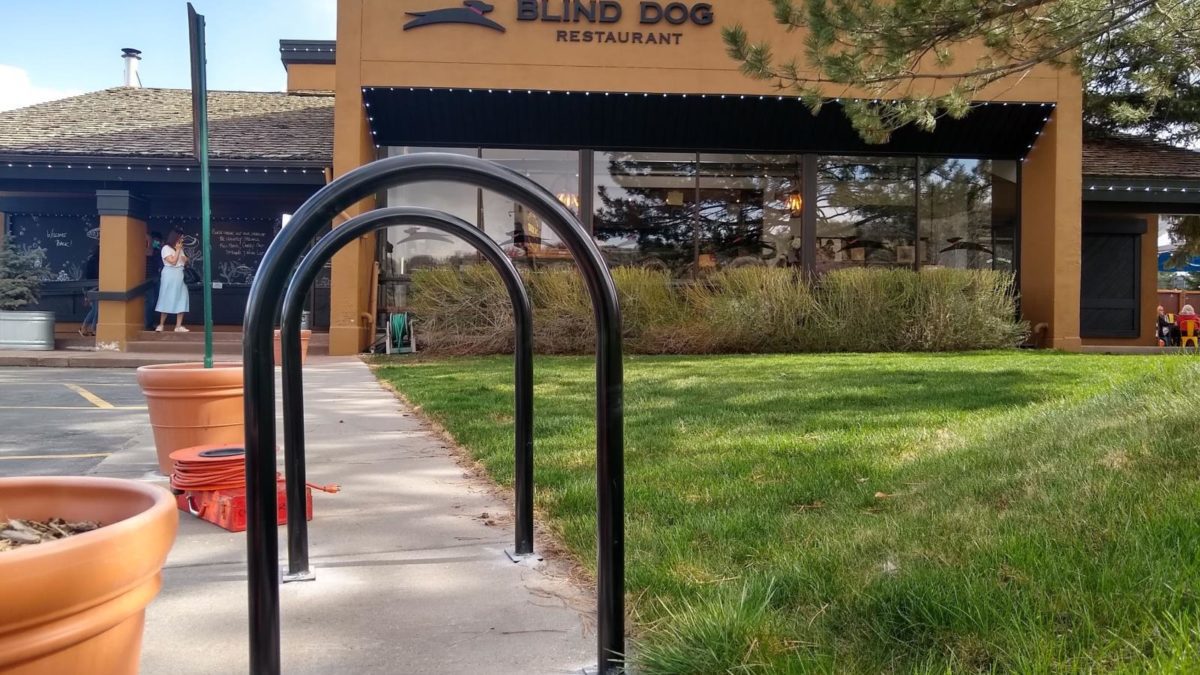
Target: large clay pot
[
  {"x": 77, "y": 605},
  {"x": 192, "y": 405},
  {"x": 305, "y": 336}
]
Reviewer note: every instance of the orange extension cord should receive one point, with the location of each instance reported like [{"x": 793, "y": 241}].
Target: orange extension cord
[{"x": 217, "y": 467}]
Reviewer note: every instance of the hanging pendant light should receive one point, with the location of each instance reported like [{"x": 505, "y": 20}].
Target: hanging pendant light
[
  {"x": 795, "y": 204},
  {"x": 569, "y": 200}
]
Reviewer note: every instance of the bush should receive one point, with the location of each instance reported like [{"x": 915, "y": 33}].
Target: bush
[
  {"x": 749, "y": 309},
  {"x": 465, "y": 311},
  {"x": 20, "y": 275}
]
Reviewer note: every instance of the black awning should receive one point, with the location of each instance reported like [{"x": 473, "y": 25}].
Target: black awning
[{"x": 502, "y": 118}]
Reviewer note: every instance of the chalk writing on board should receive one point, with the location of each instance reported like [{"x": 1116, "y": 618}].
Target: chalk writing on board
[
  {"x": 238, "y": 253},
  {"x": 237, "y": 248},
  {"x": 66, "y": 241}
]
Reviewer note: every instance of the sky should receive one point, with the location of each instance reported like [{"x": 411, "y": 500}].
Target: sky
[{"x": 55, "y": 48}]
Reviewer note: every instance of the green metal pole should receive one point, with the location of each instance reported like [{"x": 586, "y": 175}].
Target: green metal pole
[{"x": 205, "y": 201}]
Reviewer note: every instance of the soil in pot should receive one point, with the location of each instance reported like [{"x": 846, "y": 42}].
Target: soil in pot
[
  {"x": 191, "y": 405},
  {"x": 17, "y": 532},
  {"x": 76, "y": 604}
]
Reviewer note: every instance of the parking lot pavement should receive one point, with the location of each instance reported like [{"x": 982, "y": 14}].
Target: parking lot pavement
[{"x": 63, "y": 422}]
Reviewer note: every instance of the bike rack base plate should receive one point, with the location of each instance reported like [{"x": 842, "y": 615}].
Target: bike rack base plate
[
  {"x": 529, "y": 559},
  {"x": 307, "y": 575}
]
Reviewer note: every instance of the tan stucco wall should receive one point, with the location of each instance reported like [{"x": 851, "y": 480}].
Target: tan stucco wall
[
  {"x": 528, "y": 56},
  {"x": 375, "y": 50},
  {"x": 311, "y": 77},
  {"x": 122, "y": 268},
  {"x": 1051, "y": 217},
  {"x": 350, "y": 280}
]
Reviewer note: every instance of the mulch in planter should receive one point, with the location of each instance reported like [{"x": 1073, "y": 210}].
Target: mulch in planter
[{"x": 16, "y": 532}]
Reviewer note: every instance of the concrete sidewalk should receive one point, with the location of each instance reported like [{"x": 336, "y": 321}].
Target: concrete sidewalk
[
  {"x": 409, "y": 557},
  {"x": 79, "y": 358}
]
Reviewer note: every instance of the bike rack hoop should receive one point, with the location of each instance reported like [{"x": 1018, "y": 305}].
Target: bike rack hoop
[
  {"x": 292, "y": 373},
  {"x": 288, "y": 248}
]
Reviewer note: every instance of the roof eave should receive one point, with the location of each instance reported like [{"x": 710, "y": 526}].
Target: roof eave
[{"x": 298, "y": 52}]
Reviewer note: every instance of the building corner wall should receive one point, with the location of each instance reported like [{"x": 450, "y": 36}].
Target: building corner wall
[
  {"x": 350, "y": 283},
  {"x": 311, "y": 77},
  {"x": 1051, "y": 220}
]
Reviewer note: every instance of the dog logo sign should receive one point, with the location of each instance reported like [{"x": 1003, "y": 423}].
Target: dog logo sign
[{"x": 472, "y": 13}]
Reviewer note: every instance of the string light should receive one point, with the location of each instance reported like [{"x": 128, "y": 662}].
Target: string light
[
  {"x": 1143, "y": 188},
  {"x": 153, "y": 167},
  {"x": 761, "y": 97}
]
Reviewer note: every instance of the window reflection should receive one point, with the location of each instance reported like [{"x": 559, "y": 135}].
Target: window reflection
[
  {"x": 967, "y": 213},
  {"x": 410, "y": 248},
  {"x": 524, "y": 236},
  {"x": 645, "y": 209},
  {"x": 866, "y": 212},
  {"x": 745, "y": 214},
  {"x": 693, "y": 213},
  {"x": 518, "y": 231},
  {"x": 690, "y": 213}
]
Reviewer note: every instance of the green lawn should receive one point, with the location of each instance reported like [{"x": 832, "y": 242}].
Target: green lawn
[{"x": 1027, "y": 512}]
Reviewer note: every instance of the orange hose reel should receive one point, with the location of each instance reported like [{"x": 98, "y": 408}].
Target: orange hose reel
[{"x": 210, "y": 482}]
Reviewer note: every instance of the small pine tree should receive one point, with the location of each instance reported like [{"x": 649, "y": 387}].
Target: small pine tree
[{"x": 20, "y": 275}]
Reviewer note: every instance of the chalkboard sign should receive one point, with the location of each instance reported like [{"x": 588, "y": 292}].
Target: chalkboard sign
[
  {"x": 67, "y": 241},
  {"x": 238, "y": 252},
  {"x": 237, "y": 247}
]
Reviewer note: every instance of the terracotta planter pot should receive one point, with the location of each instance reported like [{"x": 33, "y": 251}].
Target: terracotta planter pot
[
  {"x": 305, "y": 336},
  {"x": 77, "y": 605},
  {"x": 192, "y": 405}
]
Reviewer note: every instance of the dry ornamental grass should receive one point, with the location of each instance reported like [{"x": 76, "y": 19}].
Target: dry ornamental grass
[{"x": 466, "y": 312}]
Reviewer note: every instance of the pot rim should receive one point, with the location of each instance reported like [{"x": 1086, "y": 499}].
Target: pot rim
[
  {"x": 189, "y": 376},
  {"x": 162, "y": 500},
  {"x": 190, "y": 365},
  {"x": 40, "y": 312}
]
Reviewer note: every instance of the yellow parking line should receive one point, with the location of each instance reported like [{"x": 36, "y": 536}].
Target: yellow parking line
[
  {"x": 83, "y": 456},
  {"x": 44, "y": 383},
  {"x": 91, "y": 398},
  {"x": 70, "y": 407}
]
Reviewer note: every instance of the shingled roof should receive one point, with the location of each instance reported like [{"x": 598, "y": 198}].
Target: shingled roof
[
  {"x": 128, "y": 122},
  {"x": 1132, "y": 157}
]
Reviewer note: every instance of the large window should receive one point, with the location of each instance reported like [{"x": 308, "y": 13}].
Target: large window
[
  {"x": 690, "y": 213},
  {"x": 866, "y": 212},
  {"x": 645, "y": 208},
  {"x": 416, "y": 247},
  {"x": 749, "y": 210},
  {"x": 967, "y": 212},
  {"x": 522, "y": 234}
]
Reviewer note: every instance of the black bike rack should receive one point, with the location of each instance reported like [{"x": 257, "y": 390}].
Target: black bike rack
[
  {"x": 262, "y": 537},
  {"x": 293, "y": 388}
]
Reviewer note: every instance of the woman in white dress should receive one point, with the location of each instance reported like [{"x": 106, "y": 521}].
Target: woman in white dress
[{"x": 172, "y": 290}]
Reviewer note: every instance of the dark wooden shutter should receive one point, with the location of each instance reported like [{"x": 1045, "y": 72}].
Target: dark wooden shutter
[{"x": 1110, "y": 288}]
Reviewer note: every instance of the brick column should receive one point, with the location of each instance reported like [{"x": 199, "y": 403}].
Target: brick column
[{"x": 122, "y": 267}]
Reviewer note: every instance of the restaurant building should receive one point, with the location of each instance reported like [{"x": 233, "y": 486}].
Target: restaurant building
[{"x": 635, "y": 117}]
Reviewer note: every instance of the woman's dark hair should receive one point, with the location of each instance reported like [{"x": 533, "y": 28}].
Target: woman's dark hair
[{"x": 173, "y": 238}]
